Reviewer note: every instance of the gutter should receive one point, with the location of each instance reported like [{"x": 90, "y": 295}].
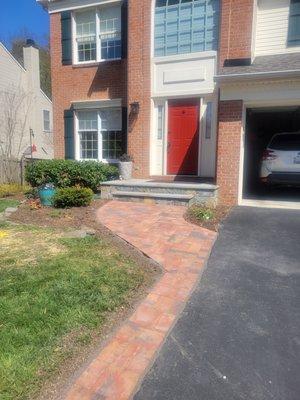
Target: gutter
[{"x": 247, "y": 76}]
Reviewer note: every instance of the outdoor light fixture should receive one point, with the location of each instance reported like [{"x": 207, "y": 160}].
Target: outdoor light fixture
[{"x": 135, "y": 107}]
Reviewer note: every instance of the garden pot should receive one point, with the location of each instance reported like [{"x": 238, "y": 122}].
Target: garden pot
[
  {"x": 125, "y": 169},
  {"x": 46, "y": 193}
]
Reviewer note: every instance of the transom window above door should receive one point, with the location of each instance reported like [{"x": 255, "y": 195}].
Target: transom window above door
[
  {"x": 186, "y": 26},
  {"x": 98, "y": 34},
  {"x": 100, "y": 135}
]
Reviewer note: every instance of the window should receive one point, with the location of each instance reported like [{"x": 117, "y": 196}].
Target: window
[
  {"x": 294, "y": 24},
  {"x": 100, "y": 134},
  {"x": 98, "y": 34},
  {"x": 88, "y": 135},
  {"x": 110, "y": 33},
  {"x": 208, "y": 120},
  {"x": 86, "y": 36},
  {"x": 186, "y": 26},
  {"x": 46, "y": 119},
  {"x": 160, "y": 122}
]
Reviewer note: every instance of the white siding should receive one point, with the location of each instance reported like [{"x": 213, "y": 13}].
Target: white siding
[
  {"x": 23, "y": 84},
  {"x": 272, "y": 28}
]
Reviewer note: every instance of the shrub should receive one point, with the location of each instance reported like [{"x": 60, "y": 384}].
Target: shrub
[
  {"x": 68, "y": 173},
  {"x": 11, "y": 189},
  {"x": 72, "y": 197}
]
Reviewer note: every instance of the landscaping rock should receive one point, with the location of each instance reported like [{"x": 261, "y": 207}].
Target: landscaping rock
[
  {"x": 81, "y": 233},
  {"x": 89, "y": 231}
]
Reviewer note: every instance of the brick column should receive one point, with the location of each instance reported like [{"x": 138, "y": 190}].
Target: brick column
[
  {"x": 228, "y": 150},
  {"x": 139, "y": 84},
  {"x": 236, "y": 29}
]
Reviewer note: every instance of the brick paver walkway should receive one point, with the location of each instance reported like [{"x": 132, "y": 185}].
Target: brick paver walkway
[{"x": 182, "y": 249}]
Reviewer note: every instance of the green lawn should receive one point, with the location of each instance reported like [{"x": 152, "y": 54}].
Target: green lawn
[
  {"x": 54, "y": 294},
  {"x": 4, "y": 203}
]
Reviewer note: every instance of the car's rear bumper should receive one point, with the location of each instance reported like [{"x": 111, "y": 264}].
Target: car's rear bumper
[{"x": 283, "y": 178}]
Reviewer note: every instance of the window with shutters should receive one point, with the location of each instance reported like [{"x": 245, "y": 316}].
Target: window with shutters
[
  {"x": 98, "y": 34},
  {"x": 294, "y": 24},
  {"x": 100, "y": 134},
  {"x": 186, "y": 26}
]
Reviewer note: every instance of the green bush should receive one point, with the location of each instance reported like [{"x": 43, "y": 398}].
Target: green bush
[
  {"x": 72, "y": 197},
  {"x": 68, "y": 173}
]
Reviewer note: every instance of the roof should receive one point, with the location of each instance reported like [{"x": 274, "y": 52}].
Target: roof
[{"x": 272, "y": 64}]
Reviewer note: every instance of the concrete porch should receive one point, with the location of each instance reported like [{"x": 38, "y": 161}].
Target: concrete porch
[{"x": 183, "y": 191}]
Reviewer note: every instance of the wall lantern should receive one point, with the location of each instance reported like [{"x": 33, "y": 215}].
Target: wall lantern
[{"x": 134, "y": 107}]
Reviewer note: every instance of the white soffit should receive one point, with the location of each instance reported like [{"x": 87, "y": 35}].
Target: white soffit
[{"x": 66, "y": 5}]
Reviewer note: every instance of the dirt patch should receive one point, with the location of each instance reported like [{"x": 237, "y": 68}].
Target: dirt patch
[{"x": 218, "y": 213}]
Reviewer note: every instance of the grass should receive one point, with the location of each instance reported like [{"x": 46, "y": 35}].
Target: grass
[
  {"x": 4, "y": 203},
  {"x": 55, "y": 293}
]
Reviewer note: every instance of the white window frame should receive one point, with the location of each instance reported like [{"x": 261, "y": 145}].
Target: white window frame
[
  {"x": 98, "y": 59},
  {"x": 44, "y": 129},
  {"x": 100, "y": 135}
]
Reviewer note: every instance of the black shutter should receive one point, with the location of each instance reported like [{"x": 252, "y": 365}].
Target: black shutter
[
  {"x": 124, "y": 129},
  {"x": 66, "y": 37},
  {"x": 69, "y": 135},
  {"x": 124, "y": 24}
]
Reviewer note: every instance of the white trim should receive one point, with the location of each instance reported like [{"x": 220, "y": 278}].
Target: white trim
[
  {"x": 96, "y": 104},
  {"x": 66, "y": 5}
]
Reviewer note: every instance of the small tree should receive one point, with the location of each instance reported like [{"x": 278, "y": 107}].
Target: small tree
[{"x": 14, "y": 111}]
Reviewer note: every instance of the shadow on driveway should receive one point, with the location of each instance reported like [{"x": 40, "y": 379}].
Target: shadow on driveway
[{"x": 239, "y": 336}]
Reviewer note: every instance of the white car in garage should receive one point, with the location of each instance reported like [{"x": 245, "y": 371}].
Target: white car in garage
[{"x": 281, "y": 160}]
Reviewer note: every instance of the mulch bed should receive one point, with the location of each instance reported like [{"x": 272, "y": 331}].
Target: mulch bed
[{"x": 220, "y": 213}]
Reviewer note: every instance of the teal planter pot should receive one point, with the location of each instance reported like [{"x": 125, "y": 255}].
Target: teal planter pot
[{"x": 46, "y": 194}]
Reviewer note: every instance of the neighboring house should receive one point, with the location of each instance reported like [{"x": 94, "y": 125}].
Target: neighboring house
[
  {"x": 129, "y": 75},
  {"x": 25, "y": 110}
]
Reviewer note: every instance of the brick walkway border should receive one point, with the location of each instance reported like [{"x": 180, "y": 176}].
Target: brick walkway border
[{"x": 182, "y": 249}]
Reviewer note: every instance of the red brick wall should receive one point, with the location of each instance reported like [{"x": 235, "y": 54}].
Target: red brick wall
[
  {"x": 106, "y": 80},
  {"x": 236, "y": 29},
  {"x": 139, "y": 83},
  {"x": 228, "y": 150}
]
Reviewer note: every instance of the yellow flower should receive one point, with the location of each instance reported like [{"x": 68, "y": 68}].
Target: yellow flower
[{"x": 3, "y": 234}]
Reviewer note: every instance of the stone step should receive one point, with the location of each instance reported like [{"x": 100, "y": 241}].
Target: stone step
[
  {"x": 162, "y": 198},
  {"x": 146, "y": 186}
]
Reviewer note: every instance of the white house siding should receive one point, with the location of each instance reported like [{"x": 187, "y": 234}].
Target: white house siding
[
  {"x": 272, "y": 21},
  {"x": 25, "y": 82}
]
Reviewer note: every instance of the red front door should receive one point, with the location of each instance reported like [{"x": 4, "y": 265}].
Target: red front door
[{"x": 183, "y": 137}]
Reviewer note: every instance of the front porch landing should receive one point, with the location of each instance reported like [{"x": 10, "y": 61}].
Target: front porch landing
[{"x": 177, "y": 192}]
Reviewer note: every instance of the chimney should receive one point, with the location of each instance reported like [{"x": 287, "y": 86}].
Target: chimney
[{"x": 32, "y": 64}]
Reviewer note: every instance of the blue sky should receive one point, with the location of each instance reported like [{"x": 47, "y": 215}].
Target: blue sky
[{"x": 19, "y": 15}]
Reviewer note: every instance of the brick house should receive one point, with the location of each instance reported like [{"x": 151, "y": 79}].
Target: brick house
[{"x": 175, "y": 83}]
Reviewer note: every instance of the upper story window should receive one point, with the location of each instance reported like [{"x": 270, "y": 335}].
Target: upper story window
[
  {"x": 186, "y": 26},
  {"x": 98, "y": 34},
  {"x": 46, "y": 120},
  {"x": 294, "y": 24}
]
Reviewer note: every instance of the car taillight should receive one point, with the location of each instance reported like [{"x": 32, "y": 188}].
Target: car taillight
[{"x": 269, "y": 155}]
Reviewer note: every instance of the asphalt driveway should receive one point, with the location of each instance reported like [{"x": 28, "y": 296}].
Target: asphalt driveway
[{"x": 239, "y": 336}]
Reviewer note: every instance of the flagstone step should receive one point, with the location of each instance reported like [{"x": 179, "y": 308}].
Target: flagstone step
[
  {"x": 169, "y": 198},
  {"x": 160, "y": 192}
]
